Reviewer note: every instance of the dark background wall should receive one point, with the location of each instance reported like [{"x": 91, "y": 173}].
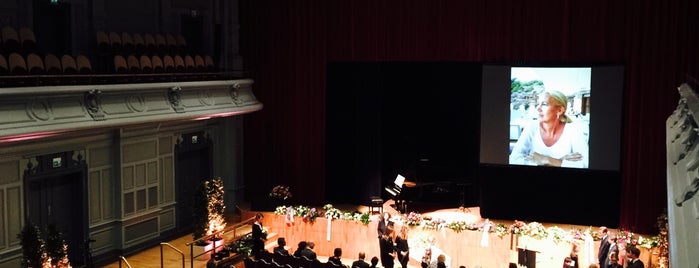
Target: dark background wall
[{"x": 287, "y": 47}]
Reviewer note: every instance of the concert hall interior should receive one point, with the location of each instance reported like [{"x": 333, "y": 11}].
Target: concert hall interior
[{"x": 132, "y": 131}]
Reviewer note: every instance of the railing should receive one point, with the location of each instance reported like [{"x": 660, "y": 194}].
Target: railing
[
  {"x": 210, "y": 237},
  {"x": 122, "y": 259},
  {"x": 162, "y": 264}
]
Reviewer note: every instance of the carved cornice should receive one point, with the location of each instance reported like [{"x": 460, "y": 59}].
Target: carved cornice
[{"x": 40, "y": 111}]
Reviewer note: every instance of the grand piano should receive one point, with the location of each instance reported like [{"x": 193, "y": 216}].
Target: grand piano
[{"x": 430, "y": 187}]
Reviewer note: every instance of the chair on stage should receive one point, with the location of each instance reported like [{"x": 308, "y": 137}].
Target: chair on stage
[{"x": 376, "y": 204}]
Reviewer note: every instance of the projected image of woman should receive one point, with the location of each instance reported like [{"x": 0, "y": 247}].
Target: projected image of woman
[{"x": 552, "y": 140}]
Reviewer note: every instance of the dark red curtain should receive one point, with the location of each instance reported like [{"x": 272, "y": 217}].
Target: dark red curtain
[{"x": 287, "y": 44}]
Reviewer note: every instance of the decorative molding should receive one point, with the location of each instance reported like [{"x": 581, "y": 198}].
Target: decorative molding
[
  {"x": 173, "y": 95},
  {"x": 93, "y": 104},
  {"x": 49, "y": 110}
]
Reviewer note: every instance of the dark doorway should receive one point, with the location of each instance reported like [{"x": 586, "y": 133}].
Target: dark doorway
[
  {"x": 192, "y": 27},
  {"x": 193, "y": 165},
  {"x": 55, "y": 194},
  {"x": 52, "y": 27}
]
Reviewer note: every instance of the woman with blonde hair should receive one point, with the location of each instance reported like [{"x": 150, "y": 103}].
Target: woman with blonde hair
[{"x": 402, "y": 248}]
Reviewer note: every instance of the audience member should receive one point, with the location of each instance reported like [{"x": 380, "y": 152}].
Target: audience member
[
  {"x": 301, "y": 246},
  {"x": 308, "y": 251},
  {"x": 632, "y": 253},
  {"x": 336, "y": 257},
  {"x": 572, "y": 260},
  {"x": 360, "y": 263},
  {"x": 280, "y": 249},
  {"x": 374, "y": 262},
  {"x": 441, "y": 261},
  {"x": 613, "y": 248},
  {"x": 614, "y": 260},
  {"x": 426, "y": 258}
]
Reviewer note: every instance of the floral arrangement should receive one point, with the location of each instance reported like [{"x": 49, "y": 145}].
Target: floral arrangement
[
  {"x": 365, "y": 218},
  {"x": 558, "y": 235},
  {"x": 301, "y": 211},
  {"x": 536, "y": 230},
  {"x": 663, "y": 258},
  {"x": 434, "y": 223},
  {"x": 331, "y": 212},
  {"x": 518, "y": 228},
  {"x": 281, "y": 192},
  {"x": 280, "y": 210},
  {"x": 501, "y": 230},
  {"x": 311, "y": 215},
  {"x": 459, "y": 226},
  {"x": 244, "y": 244},
  {"x": 413, "y": 219}
]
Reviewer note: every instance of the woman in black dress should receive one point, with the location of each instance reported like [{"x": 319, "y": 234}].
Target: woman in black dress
[
  {"x": 402, "y": 249},
  {"x": 387, "y": 248}
]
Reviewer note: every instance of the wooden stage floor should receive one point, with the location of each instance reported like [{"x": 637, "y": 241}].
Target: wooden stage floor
[{"x": 462, "y": 248}]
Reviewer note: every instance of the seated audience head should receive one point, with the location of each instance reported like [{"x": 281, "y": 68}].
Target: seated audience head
[
  {"x": 614, "y": 257},
  {"x": 632, "y": 252},
  {"x": 302, "y": 245},
  {"x": 337, "y": 252},
  {"x": 311, "y": 245},
  {"x": 374, "y": 261},
  {"x": 362, "y": 255},
  {"x": 281, "y": 241}
]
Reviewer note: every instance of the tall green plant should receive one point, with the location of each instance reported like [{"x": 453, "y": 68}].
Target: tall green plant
[
  {"x": 208, "y": 208},
  {"x": 55, "y": 244},
  {"x": 32, "y": 245}
]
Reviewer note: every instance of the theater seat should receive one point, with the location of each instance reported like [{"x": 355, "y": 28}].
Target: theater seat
[
  {"x": 18, "y": 65},
  {"x": 199, "y": 63},
  {"x": 10, "y": 40},
  {"x": 169, "y": 64},
  {"x": 189, "y": 64},
  {"x": 139, "y": 44},
  {"x": 27, "y": 40},
  {"x": 120, "y": 65},
  {"x": 157, "y": 64},
  {"x": 179, "y": 64},
  {"x": 146, "y": 66},
  {"x": 68, "y": 64},
  {"x": 84, "y": 65},
  {"x": 35, "y": 65},
  {"x": 133, "y": 64},
  {"x": 52, "y": 64}
]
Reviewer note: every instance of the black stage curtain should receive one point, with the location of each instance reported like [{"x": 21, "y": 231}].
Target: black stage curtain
[{"x": 287, "y": 45}]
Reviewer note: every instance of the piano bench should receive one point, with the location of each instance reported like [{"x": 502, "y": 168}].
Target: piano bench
[{"x": 376, "y": 204}]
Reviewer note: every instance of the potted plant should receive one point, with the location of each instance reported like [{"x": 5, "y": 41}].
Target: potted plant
[
  {"x": 32, "y": 245},
  {"x": 208, "y": 207}
]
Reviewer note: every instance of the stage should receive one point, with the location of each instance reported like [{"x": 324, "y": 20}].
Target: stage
[{"x": 470, "y": 248}]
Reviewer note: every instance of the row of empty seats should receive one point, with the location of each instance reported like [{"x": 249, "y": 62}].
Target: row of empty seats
[
  {"x": 168, "y": 64},
  {"x": 50, "y": 64},
  {"x": 23, "y": 42},
  {"x": 125, "y": 43}
]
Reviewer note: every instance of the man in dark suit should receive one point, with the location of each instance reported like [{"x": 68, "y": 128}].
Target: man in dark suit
[
  {"x": 603, "y": 247},
  {"x": 308, "y": 251},
  {"x": 360, "y": 263},
  {"x": 632, "y": 254}
]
